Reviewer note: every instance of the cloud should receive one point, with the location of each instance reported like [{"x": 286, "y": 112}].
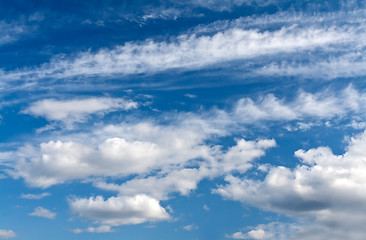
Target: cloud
[
  {"x": 324, "y": 189},
  {"x": 348, "y": 65},
  {"x": 10, "y": 32},
  {"x": 184, "y": 180},
  {"x": 323, "y": 105},
  {"x": 190, "y": 227},
  {"x": 206, "y": 208},
  {"x": 77, "y": 110},
  {"x": 196, "y": 51},
  {"x": 35, "y": 196},
  {"x": 273, "y": 230},
  {"x": 116, "y": 211},
  {"x": 100, "y": 229},
  {"x": 43, "y": 212},
  {"x": 5, "y": 234},
  {"x": 144, "y": 147}
]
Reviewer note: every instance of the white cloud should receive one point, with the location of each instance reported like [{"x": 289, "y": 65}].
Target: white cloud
[
  {"x": 10, "y": 32},
  {"x": 43, "y": 212},
  {"x": 196, "y": 51},
  {"x": 77, "y": 110},
  {"x": 141, "y": 148},
  {"x": 270, "y": 231},
  {"x": 206, "y": 208},
  {"x": 190, "y": 227},
  {"x": 5, "y": 234},
  {"x": 144, "y": 148},
  {"x": 348, "y": 65},
  {"x": 323, "y": 105},
  {"x": 325, "y": 189},
  {"x": 116, "y": 211},
  {"x": 35, "y": 196},
  {"x": 253, "y": 234},
  {"x": 100, "y": 229},
  {"x": 184, "y": 180}
]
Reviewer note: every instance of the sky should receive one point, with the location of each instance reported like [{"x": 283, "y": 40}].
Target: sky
[{"x": 216, "y": 119}]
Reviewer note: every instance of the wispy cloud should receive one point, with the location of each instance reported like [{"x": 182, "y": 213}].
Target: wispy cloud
[
  {"x": 5, "y": 234},
  {"x": 100, "y": 229},
  {"x": 196, "y": 51},
  {"x": 42, "y": 212},
  {"x": 35, "y": 196}
]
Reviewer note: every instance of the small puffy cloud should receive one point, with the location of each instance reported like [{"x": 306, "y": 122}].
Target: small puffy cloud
[
  {"x": 100, "y": 229},
  {"x": 77, "y": 110},
  {"x": 325, "y": 189},
  {"x": 35, "y": 196},
  {"x": 5, "y": 234},
  {"x": 121, "y": 210},
  {"x": 43, "y": 212},
  {"x": 190, "y": 227},
  {"x": 270, "y": 231},
  {"x": 253, "y": 234},
  {"x": 206, "y": 208}
]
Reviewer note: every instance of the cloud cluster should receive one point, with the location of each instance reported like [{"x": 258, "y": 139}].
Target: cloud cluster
[
  {"x": 165, "y": 159},
  {"x": 325, "y": 189}
]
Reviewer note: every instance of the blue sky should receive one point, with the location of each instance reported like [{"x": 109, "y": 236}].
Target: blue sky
[{"x": 231, "y": 119}]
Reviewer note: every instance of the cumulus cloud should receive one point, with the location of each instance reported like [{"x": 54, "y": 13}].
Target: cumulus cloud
[
  {"x": 325, "y": 189},
  {"x": 43, "y": 212},
  {"x": 5, "y": 234},
  {"x": 116, "y": 211},
  {"x": 140, "y": 148},
  {"x": 100, "y": 229},
  {"x": 35, "y": 196},
  {"x": 144, "y": 148},
  {"x": 77, "y": 110},
  {"x": 184, "y": 180}
]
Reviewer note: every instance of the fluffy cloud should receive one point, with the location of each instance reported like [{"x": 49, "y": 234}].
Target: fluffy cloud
[
  {"x": 144, "y": 148},
  {"x": 236, "y": 158},
  {"x": 140, "y": 148},
  {"x": 77, "y": 110},
  {"x": 326, "y": 189},
  {"x": 5, "y": 234},
  {"x": 117, "y": 211},
  {"x": 43, "y": 212}
]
